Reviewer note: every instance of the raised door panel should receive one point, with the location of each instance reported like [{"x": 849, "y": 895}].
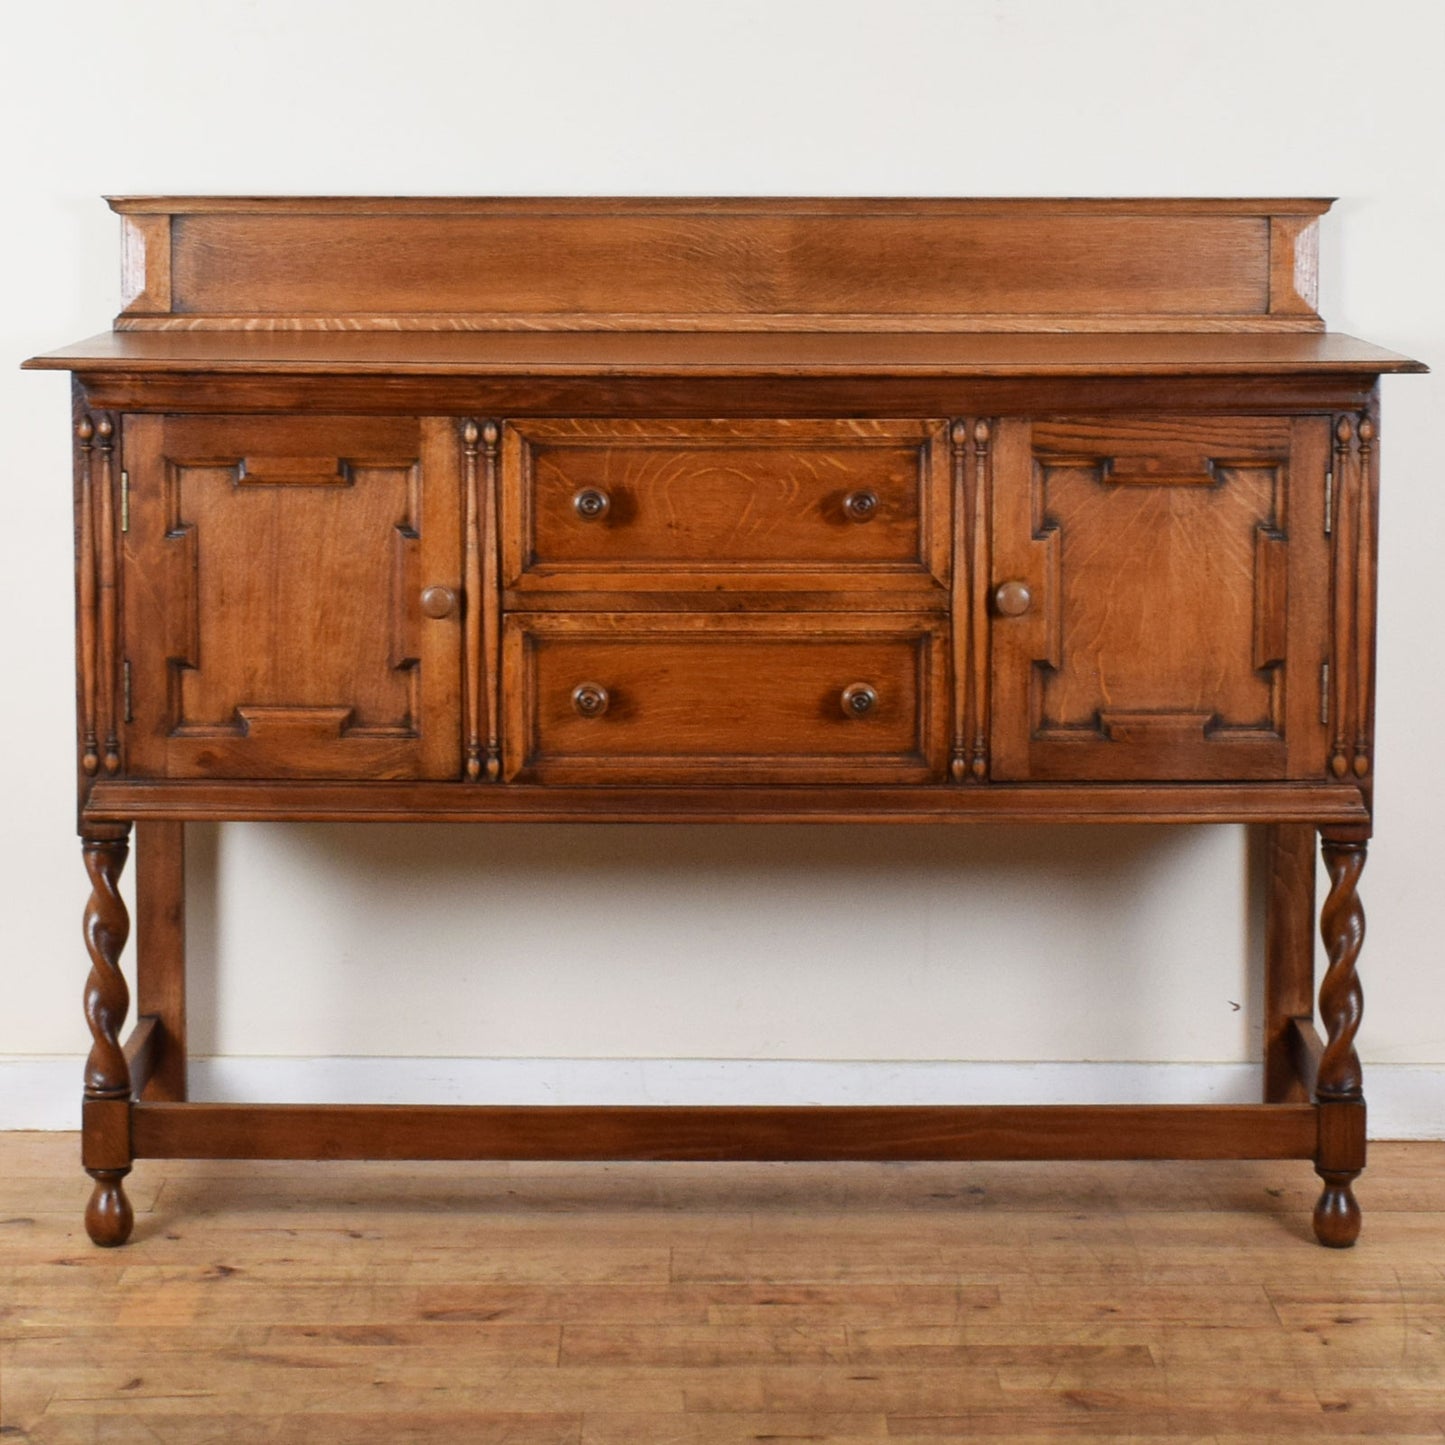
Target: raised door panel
[
  {"x": 649, "y": 508},
  {"x": 1172, "y": 618},
  {"x": 273, "y": 571},
  {"x": 690, "y": 697}
]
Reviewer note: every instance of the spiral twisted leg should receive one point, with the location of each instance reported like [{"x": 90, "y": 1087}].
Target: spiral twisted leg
[
  {"x": 1339, "y": 1090},
  {"x": 106, "y": 1132}
]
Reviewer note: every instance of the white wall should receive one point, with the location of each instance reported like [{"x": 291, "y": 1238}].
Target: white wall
[{"x": 787, "y": 943}]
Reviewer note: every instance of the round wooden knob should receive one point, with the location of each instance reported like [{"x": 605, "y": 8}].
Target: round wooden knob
[
  {"x": 592, "y": 504},
  {"x": 590, "y": 699},
  {"x": 1012, "y": 599},
  {"x": 438, "y": 601},
  {"x": 858, "y": 699},
  {"x": 860, "y": 506}
]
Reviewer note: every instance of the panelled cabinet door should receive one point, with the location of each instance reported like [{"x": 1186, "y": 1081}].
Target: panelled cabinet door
[
  {"x": 1158, "y": 598},
  {"x": 274, "y": 572}
]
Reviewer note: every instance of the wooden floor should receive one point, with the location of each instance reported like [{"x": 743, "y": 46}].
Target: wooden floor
[{"x": 561, "y": 1304}]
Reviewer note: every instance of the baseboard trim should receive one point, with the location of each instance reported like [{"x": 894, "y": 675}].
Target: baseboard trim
[{"x": 43, "y": 1093}]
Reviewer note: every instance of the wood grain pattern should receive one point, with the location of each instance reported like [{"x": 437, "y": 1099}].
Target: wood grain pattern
[
  {"x": 710, "y": 506},
  {"x": 552, "y": 1305},
  {"x": 160, "y": 895},
  {"x": 697, "y": 264},
  {"x": 1159, "y": 555},
  {"x": 302, "y": 652},
  {"x": 504, "y": 356},
  {"x": 1289, "y": 956},
  {"x": 238, "y": 801},
  {"x": 722, "y": 1132},
  {"x": 701, "y": 698}
]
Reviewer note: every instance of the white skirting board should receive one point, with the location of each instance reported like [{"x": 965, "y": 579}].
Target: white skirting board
[{"x": 1406, "y": 1101}]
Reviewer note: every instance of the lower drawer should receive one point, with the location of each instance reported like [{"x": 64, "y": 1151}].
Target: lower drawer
[{"x": 711, "y": 699}]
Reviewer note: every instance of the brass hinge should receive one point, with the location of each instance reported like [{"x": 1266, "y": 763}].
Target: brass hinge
[
  {"x": 1329, "y": 499},
  {"x": 125, "y": 506},
  {"x": 1324, "y": 694},
  {"x": 125, "y": 684}
]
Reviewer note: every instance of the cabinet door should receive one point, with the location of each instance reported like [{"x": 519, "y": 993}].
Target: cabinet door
[
  {"x": 273, "y": 571},
  {"x": 1172, "y": 618}
]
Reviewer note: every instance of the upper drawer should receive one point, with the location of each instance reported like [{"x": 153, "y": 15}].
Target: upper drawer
[{"x": 727, "y": 506}]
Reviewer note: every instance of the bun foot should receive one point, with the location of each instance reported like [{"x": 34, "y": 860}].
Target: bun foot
[
  {"x": 1337, "y": 1215},
  {"x": 108, "y": 1216}
]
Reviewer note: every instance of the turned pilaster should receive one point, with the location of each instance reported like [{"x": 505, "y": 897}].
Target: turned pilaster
[
  {"x": 1339, "y": 1090},
  {"x": 106, "y": 1111}
]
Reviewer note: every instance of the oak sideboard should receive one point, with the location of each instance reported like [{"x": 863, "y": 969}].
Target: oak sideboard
[{"x": 724, "y": 510}]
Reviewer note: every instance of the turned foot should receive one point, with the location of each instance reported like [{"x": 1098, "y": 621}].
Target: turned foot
[
  {"x": 108, "y": 1216},
  {"x": 1337, "y": 1215}
]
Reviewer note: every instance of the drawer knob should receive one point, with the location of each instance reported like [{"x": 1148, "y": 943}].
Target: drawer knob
[
  {"x": 858, "y": 699},
  {"x": 438, "y": 601},
  {"x": 860, "y": 506},
  {"x": 592, "y": 504},
  {"x": 1012, "y": 599},
  {"x": 590, "y": 699}
]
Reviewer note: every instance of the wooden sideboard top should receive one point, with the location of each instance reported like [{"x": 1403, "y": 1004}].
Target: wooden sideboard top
[
  {"x": 734, "y": 287},
  {"x": 699, "y": 354}
]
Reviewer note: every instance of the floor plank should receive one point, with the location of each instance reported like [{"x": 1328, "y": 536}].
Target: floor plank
[{"x": 621, "y": 1304}]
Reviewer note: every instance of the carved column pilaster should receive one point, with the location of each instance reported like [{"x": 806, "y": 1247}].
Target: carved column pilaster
[
  {"x": 962, "y": 522},
  {"x": 1365, "y": 567},
  {"x": 981, "y": 568},
  {"x": 972, "y": 481},
  {"x": 491, "y": 596},
  {"x": 86, "y": 611},
  {"x": 472, "y": 615}
]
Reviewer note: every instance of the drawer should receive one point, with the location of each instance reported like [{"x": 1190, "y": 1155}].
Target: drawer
[
  {"x": 709, "y": 698},
  {"x": 709, "y": 506}
]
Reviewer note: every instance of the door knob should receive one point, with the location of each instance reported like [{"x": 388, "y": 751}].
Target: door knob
[
  {"x": 858, "y": 699},
  {"x": 1012, "y": 599},
  {"x": 438, "y": 601},
  {"x": 590, "y": 699},
  {"x": 592, "y": 504}
]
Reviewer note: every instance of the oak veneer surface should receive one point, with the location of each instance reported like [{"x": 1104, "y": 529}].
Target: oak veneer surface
[
  {"x": 568, "y": 1304},
  {"x": 722, "y": 353},
  {"x": 339, "y": 263}
]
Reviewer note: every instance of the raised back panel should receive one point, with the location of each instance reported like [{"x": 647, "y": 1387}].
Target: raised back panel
[{"x": 885, "y": 265}]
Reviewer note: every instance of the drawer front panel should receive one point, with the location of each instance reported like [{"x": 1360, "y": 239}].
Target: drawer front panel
[
  {"x": 613, "y": 698},
  {"x": 1158, "y": 610},
  {"x": 754, "y": 505}
]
